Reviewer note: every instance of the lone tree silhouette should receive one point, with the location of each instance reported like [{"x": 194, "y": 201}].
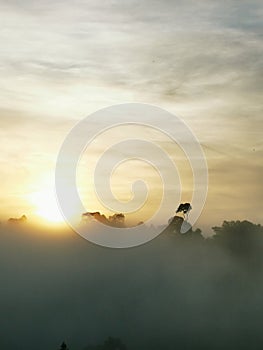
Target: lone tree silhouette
[
  {"x": 63, "y": 346},
  {"x": 184, "y": 208}
]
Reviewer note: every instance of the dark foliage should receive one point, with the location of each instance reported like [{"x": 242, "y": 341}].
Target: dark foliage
[{"x": 109, "y": 344}]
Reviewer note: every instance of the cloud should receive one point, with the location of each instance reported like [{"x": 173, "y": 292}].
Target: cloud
[{"x": 201, "y": 60}]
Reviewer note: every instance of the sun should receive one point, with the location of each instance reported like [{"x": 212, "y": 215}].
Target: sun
[{"x": 46, "y": 206}]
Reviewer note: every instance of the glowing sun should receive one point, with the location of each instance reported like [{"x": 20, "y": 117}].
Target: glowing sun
[{"x": 46, "y": 206}]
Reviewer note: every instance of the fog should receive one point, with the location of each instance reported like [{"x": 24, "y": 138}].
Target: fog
[{"x": 175, "y": 292}]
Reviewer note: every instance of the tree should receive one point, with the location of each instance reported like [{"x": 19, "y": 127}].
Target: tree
[
  {"x": 109, "y": 344},
  {"x": 117, "y": 220},
  {"x": 63, "y": 346},
  {"x": 184, "y": 207},
  {"x": 243, "y": 238}
]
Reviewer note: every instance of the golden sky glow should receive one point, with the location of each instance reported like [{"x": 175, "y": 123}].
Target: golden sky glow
[
  {"x": 59, "y": 64},
  {"x": 46, "y": 206}
]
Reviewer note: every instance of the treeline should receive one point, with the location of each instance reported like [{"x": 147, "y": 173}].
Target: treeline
[{"x": 109, "y": 344}]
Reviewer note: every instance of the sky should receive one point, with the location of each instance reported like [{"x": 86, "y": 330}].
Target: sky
[{"x": 62, "y": 60}]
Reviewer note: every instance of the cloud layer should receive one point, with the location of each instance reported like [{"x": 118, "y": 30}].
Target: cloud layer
[{"x": 202, "y": 60}]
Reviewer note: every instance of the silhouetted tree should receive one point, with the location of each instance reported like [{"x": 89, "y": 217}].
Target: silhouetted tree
[
  {"x": 175, "y": 224},
  {"x": 243, "y": 238},
  {"x": 109, "y": 344},
  {"x": 89, "y": 216},
  {"x": 117, "y": 220},
  {"x": 184, "y": 207},
  {"x": 63, "y": 346},
  {"x": 20, "y": 220}
]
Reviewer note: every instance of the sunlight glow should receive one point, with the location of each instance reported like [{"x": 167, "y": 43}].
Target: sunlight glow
[{"x": 46, "y": 206}]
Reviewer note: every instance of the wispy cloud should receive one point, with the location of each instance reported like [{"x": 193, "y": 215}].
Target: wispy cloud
[{"x": 203, "y": 60}]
